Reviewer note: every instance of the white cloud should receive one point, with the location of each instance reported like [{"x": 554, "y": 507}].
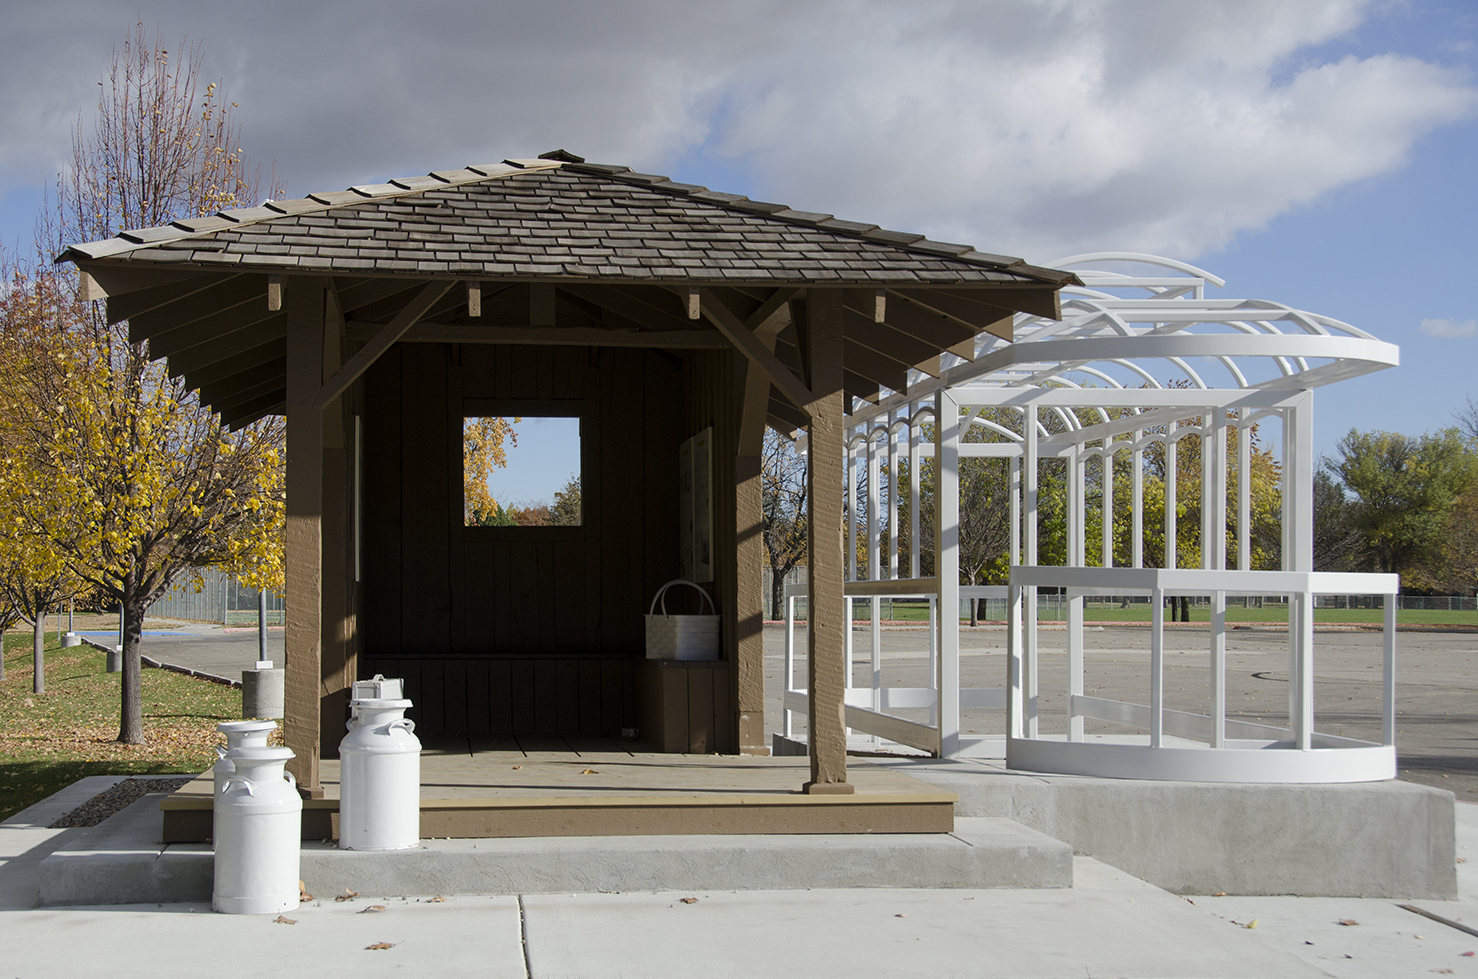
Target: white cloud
[
  {"x": 1034, "y": 128},
  {"x": 1450, "y": 329}
]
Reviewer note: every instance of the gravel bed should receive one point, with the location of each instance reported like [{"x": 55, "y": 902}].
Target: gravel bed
[{"x": 119, "y": 797}]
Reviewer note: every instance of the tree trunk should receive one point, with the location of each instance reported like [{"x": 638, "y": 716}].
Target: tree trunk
[
  {"x": 2, "y": 655},
  {"x": 777, "y": 594},
  {"x": 131, "y": 724},
  {"x": 974, "y": 613},
  {"x": 38, "y": 653}
]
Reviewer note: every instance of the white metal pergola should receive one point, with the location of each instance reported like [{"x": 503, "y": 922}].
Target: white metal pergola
[{"x": 1139, "y": 358}]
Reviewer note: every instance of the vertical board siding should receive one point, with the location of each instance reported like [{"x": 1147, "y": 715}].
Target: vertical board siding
[{"x": 519, "y": 633}]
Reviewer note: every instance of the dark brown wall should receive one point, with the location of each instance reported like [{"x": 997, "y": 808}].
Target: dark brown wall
[{"x": 518, "y": 630}]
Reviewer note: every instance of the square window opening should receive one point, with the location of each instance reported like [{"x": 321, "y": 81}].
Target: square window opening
[{"x": 521, "y": 471}]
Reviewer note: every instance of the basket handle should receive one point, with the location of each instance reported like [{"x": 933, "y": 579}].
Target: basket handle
[{"x": 662, "y": 595}]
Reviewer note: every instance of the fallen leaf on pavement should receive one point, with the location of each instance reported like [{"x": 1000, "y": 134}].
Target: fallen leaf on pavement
[
  {"x": 1220, "y": 894},
  {"x": 590, "y": 771},
  {"x": 1468, "y": 955},
  {"x": 371, "y": 909},
  {"x": 303, "y": 894},
  {"x": 688, "y": 900},
  {"x": 348, "y": 895},
  {"x": 517, "y": 767},
  {"x": 1251, "y": 924},
  {"x": 380, "y": 946},
  {"x": 1348, "y": 921},
  {"x": 900, "y": 916},
  {"x": 281, "y": 920},
  {"x": 438, "y": 899}
]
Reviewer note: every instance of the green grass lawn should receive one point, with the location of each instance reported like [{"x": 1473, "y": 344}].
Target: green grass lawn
[{"x": 48, "y": 741}]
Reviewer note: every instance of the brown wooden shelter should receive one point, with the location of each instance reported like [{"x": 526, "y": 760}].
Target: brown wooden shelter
[{"x": 378, "y": 318}]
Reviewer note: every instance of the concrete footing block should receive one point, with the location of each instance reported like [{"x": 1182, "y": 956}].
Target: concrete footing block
[
  {"x": 1369, "y": 839},
  {"x": 263, "y": 693}
]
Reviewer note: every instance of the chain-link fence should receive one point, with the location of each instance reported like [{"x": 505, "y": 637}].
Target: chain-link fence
[{"x": 216, "y": 597}]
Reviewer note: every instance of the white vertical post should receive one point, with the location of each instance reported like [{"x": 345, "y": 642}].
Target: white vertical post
[
  {"x": 1170, "y": 487},
  {"x": 790, "y": 657},
  {"x": 1219, "y": 488},
  {"x": 1015, "y": 668},
  {"x": 914, "y": 530},
  {"x": 1028, "y": 598},
  {"x": 1137, "y": 503},
  {"x": 1300, "y": 467},
  {"x": 874, "y": 568},
  {"x": 1286, "y": 494},
  {"x": 895, "y": 545},
  {"x": 1107, "y": 559},
  {"x": 1208, "y": 490},
  {"x": 1303, "y": 727},
  {"x": 934, "y": 657},
  {"x": 1015, "y": 510},
  {"x": 1388, "y": 673},
  {"x": 1157, "y": 666},
  {"x": 1218, "y": 669},
  {"x": 1077, "y": 557},
  {"x": 947, "y": 566},
  {"x": 850, "y": 515},
  {"x": 1244, "y": 497}
]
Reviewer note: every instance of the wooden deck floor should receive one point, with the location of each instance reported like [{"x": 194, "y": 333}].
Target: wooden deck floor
[{"x": 554, "y": 787}]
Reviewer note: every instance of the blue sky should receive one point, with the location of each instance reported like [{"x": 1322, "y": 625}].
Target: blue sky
[{"x": 1318, "y": 153}]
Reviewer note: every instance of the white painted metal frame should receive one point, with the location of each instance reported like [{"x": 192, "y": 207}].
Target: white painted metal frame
[{"x": 1117, "y": 374}]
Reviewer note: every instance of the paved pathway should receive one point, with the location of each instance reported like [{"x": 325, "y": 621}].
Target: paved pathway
[{"x": 1108, "y": 924}]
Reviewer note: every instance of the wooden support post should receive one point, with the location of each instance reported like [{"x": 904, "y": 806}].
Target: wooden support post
[
  {"x": 304, "y": 310},
  {"x": 339, "y": 668},
  {"x": 749, "y": 655},
  {"x": 820, "y": 334}
]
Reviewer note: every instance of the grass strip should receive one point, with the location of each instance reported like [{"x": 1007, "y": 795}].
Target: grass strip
[{"x": 48, "y": 741}]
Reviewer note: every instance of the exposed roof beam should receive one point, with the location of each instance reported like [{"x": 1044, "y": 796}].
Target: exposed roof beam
[
  {"x": 126, "y": 307},
  {"x": 740, "y": 336},
  {"x": 227, "y": 346},
  {"x": 632, "y": 305},
  {"x": 548, "y": 336},
  {"x": 224, "y": 369},
  {"x": 371, "y": 351},
  {"x": 1038, "y": 300}
]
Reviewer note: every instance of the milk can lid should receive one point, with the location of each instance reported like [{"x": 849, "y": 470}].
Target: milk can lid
[
  {"x": 260, "y": 753},
  {"x": 374, "y": 703},
  {"x": 245, "y": 727}
]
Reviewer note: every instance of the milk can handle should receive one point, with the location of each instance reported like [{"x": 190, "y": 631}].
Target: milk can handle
[
  {"x": 251, "y": 789},
  {"x": 290, "y": 780},
  {"x": 662, "y": 596},
  {"x": 220, "y": 752},
  {"x": 405, "y": 724}
]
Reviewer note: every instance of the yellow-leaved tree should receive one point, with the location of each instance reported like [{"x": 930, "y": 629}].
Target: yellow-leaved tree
[
  {"x": 151, "y": 483},
  {"x": 482, "y": 452}
]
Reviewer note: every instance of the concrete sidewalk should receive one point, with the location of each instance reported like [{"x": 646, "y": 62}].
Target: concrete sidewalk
[{"x": 1108, "y": 923}]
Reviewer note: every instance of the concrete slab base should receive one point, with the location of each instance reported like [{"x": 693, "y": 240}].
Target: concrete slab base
[
  {"x": 126, "y": 865},
  {"x": 1372, "y": 839}
]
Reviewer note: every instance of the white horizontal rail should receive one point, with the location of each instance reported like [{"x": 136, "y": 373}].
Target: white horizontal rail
[
  {"x": 896, "y": 729},
  {"x": 1197, "y": 581}
]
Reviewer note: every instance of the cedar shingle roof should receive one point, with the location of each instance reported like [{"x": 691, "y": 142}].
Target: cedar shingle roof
[{"x": 558, "y": 217}]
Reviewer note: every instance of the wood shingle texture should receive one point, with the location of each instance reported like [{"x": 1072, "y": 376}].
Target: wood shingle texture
[{"x": 556, "y": 250}]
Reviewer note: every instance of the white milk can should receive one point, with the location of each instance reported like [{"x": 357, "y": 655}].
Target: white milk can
[
  {"x": 380, "y": 779},
  {"x": 239, "y": 734},
  {"x": 259, "y": 829}
]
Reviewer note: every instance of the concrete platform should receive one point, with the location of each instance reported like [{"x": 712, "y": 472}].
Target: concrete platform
[
  {"x": 1372, "y": 839},
  {"x": 500, "y": 790},
  {"x": 122, "y": 861}
]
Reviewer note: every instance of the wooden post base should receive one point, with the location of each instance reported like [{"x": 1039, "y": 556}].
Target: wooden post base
[{"x": 829, "y": 788}]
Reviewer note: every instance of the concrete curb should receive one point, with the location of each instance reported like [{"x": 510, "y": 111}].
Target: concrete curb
[
  {"x": 154, "y": 664},
  {"x": 123, "y": 867}
]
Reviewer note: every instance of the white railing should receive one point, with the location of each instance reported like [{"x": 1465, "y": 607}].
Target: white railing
[
  {"x": 868, "y": 707},
  {"x": 1175, "y": 744}
]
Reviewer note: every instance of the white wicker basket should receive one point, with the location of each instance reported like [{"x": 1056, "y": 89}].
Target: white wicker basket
[{"x": 691, "y": 637}]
